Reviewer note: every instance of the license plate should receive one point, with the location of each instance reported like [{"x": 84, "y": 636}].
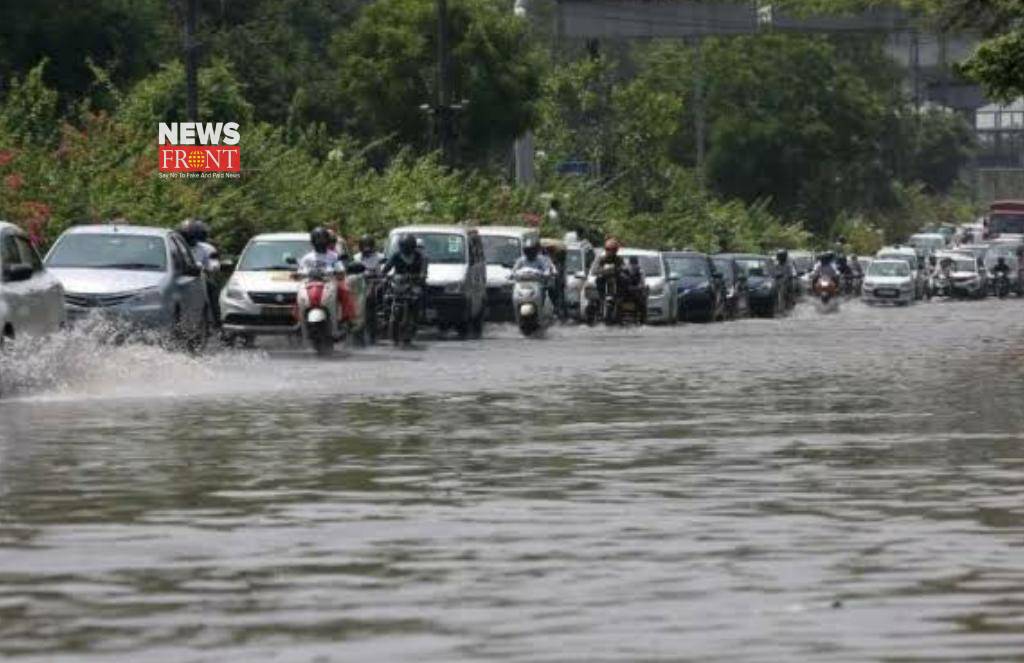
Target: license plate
[
  {"x": 275, "y": 311},
  {"x": 885, "y": 292}
]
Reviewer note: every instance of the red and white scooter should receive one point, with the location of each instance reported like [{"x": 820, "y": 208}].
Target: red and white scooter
[{"x": 318, "y": 311}]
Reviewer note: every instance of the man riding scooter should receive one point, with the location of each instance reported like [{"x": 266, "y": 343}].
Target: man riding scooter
[
  {"x": 324, "y": 258},
  {"x": 533, "y": 303},
  {"x": 196, "y": 234},
  {"x": 372, "y": 261}
]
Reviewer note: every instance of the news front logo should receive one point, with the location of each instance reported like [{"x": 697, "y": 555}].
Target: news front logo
[{"x": 199, "y": 147}]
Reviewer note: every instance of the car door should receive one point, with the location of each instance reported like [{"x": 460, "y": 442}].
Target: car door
[
  {"x": 15, "y": 293},
  {"x": 189, "y": 287},
  {"x": 477, "y": 272},
  {"x": 46, "y": 296}
]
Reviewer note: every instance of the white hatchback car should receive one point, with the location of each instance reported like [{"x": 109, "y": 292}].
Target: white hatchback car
[
  {"x": 888, "y": 281},
  {"x": 31, "y": 299}
]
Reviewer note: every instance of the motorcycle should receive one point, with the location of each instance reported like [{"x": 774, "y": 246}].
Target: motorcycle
[
  {"x": 826, "y": 289},
  {"x": 530, "y": 303},
  {"x": 317, "y": 310},
  {"x": 400, "y": 304},
  {"x": 941, "y": 286}
]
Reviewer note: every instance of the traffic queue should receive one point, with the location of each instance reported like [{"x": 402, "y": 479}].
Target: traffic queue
[{"x": 457, "y": 278}]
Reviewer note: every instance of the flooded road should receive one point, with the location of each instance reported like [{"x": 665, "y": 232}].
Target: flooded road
[{"x": 840, "y": 487}]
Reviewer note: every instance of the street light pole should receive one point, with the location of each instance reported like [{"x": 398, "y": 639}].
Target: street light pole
[
  {"x": 444, "y": 114},
  {"x": 191, "y": 62},
  {"x": 523, "y": 150}
]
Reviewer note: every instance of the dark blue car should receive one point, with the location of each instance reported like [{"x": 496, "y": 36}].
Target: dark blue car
[
  {"x": 764, "y": 283},
  {"x": 699, "y": 286}
]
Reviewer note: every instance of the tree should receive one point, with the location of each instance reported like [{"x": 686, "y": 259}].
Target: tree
[{"x": 387, "y": 64}]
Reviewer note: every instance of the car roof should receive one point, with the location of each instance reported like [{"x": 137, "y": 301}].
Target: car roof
[
  {"x": 639, "y": 252},
  {"x": 433, "y": 228},
  {"x": 507, "y": 231},
  {"x": 929, "y": 236},
  {"x": 109, "y": 228},
  {"x": 684, "y": 254},
  {"x": 742, "y": 256},
  {"x": 895, "y": 261},
  {"x": 281, "y": 237}
]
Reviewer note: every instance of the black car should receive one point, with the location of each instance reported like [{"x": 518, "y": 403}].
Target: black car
[
  {"x": 700, "y": 288},
  {"x": 764, "y": 283},
  {"x": 734, "y": 283}
]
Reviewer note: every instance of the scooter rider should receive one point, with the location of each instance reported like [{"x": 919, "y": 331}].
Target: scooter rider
[
  {"x": 825, "y": 267},
  {"x": 324, "y": 258},
  {"x": 1001, "y": 268},
  {"x": 637, "y": 282},
  {"x": 368, "y": 255},
  {"x": 196, "y": 235},
  {"x": 532, "y": 258},
  {"x": 409, "y": 261},
  {"x": 789, "y": 278}
]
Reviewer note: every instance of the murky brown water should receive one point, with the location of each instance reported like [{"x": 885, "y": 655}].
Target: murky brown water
[{"x": 840, "y": 487}]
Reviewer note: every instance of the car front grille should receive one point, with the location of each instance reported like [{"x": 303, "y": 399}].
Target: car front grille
[
  {"x": 249, "y": 320},
  {"x": 273, "y": 298},
  {"x": 96, "y": 301}
]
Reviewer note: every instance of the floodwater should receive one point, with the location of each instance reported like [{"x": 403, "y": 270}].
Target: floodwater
[{"x": 821, "y": 487}]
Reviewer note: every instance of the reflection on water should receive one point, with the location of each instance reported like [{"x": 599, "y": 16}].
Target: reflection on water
[{"x": 845, "y": 486}]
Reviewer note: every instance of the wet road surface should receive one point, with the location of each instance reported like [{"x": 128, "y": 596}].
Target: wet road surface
[{"x": 840, "y": 487}]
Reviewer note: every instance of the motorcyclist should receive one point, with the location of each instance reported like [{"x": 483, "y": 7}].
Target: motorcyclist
[
  {"x": 409, "y": 261},
  {"x": 637, "y": 283},
  {"x": 368, "y": 255},
  {"x": 196, "y": 235},
  {"x": 789, "y": 277},
  {"x": 532, "y": 258},
  {"x": 323, "y": 258},
  {"x": 1001, "y": 269},
  {"x": 825, "y": 267}
]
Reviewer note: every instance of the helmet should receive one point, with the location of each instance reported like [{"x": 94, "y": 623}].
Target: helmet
[
  {"x": 932, "y": 259},
  {"x": 841, "y": 239},
  {"x": 531, "y": 248},
  {"x": 827, "y": 256},
  {"x": 1001, "y": 260},
  {"x": 320, "y": 238},
  {"x": 194, "y": 231},
  {"x": 366, "y": 244},
  {"x": 611, "y": 246},
  {"x": 407, "y": 244},
  {"x": 782, "y": 255}
]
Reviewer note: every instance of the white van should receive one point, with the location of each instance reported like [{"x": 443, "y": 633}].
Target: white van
[
  {"x": 503, "y": 245},
  {"x": 456, "y": 296}
]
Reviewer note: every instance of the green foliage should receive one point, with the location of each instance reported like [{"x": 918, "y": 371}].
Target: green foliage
[
  {"x": 997, "y": 64},
  {"x": 387, "y": 66},
  {"x": 29, "y": 114}
]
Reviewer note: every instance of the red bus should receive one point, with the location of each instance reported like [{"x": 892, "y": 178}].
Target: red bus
[{"x": 1006, "y": 217}]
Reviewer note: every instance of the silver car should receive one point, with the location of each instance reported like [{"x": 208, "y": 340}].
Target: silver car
[
  {"x": 259, "y": 296},
  {"x": 888, "y": 282},
  {"x": 143, "y": 276},
  {"x": 662, "y": 303},
  {"x": 31, "y": 299}
]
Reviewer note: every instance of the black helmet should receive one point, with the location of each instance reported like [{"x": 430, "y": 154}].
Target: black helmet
[
  {"x": 366, "y": 244},
  {"x": 531, "y": 248},
  {"x": 782, "y": 255},
  {"x": 1001, "y": 260},
  {"x": 827, "y": 256},
  {"x": 407, "y": 244},
  {"x": 194, "y": 231},
  {"x": 320, "y": 238}
]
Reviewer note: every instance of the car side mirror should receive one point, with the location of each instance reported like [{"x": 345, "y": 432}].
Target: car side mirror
[{"x": 17, "y": 272}]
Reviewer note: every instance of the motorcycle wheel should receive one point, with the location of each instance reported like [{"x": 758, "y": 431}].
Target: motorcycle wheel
[
  {"x": 395, "y": 324},
  {"x": 321, "y": 340}
]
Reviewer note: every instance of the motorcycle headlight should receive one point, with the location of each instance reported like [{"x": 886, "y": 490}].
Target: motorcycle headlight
[{"x": 453, "y": 288}]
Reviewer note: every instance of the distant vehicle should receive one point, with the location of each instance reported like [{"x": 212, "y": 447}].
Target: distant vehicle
[
  {"x": 579, "y": 255},
  {"x": 700, "y": 292},
  {"x": 662, "y": 297},
  {"x": 803, "y": 262},
  {"x": 1008, "y": 253},
  {"x": 968, "y": 276},
  {"x": 31, "y": 298},
  {"x": 503, "y": 245},
  {"x": 913, "y": 260},
  {"x": 456, "y": 296},
  {"x": 928, "y": 243},
  {"x": 888, "y": 281},
  {"x": 259, "y": 298},
  {"x": 946, "y": 230},
  {"x": 140, "y": 275},
  {"x": 1005, "y": 217},
  {"x": 764, "y": 288},
  {"x": 734, "y": 282}
]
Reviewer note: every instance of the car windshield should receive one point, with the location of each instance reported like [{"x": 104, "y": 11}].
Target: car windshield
[
  {"x": 146, "y": 253},
  {"x": 889, "y": 269},
  {"x": 439, "y": 248},
  {"x": 910, "y": 260},
  {"x": 925, "y": 242},
  {"x": 1006, "y": 223},
  {"x": 965, "y": 265},
  {"x": 651, "y": 265},
  {"x": 272, "y": 255},
  {"x": 501, "y": 250},
  {"x": 688, "y": 266},
  {"x": 803, "y": 264},
  {"x": 725, "y": 267},
  {"x": 755, "y": 266}
]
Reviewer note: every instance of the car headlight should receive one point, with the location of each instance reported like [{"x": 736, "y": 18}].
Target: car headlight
[
  {"x": 234, "y": 293},
  {"x": 453, "y": 288},
  {"x": 907, "y": 286},
  {"x": 146, "y": 296},
  {"x": 657, "y": 290},
  {"x": 764, "y": 287}
]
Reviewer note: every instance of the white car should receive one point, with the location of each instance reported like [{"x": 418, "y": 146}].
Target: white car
[
  {"x": 909, "y": 254},
  {"x": 258, "y": 298},
  {"x": 503, "y": 246},
  {"x": 31, "y": 299},
  {"x": 662, "y": 305},
  {"x": 888, "y": 281}
]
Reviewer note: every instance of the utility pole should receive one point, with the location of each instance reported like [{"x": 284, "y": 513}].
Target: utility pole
[
  {"x": 191, "y": 62},
  {"x": 522, "y": 150},
  {"x": 698, "y": 108},
  {"x": 444, "y": 112}
]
